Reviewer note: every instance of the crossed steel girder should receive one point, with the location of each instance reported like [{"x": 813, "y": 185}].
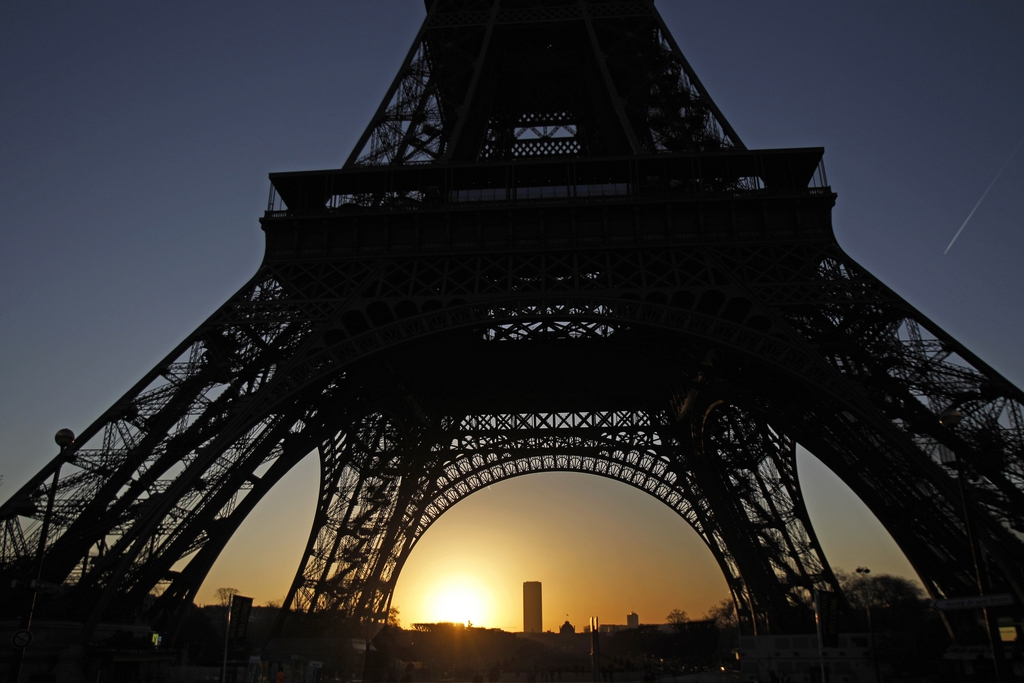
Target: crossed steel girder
[
  {"x": 802, "y": 334},
  {"x": 564, "y": 260},
  {"x": 356, "y": 550},
  {"x": 500, "y": 80}
]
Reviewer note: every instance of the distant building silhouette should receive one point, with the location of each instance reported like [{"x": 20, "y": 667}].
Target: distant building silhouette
[
  {"x": 567, "y": 629},
  {"x": 533, "y": 621},
  {"x": 632, "y": 620}
]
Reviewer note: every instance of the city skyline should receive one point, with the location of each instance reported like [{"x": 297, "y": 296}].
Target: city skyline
[{"x": 134, "y": 179}]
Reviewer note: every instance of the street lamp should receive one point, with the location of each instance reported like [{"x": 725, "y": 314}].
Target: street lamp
[
  {"x": 871, "y": 631},
  {"x": 950, "y": 418},
  {"x": 63, "y": 438}
]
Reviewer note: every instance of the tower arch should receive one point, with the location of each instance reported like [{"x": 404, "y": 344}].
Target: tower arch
[{"x": 611, "y": 249}]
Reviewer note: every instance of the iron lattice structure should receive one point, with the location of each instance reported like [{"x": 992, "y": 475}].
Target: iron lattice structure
[{"x": 548, "y": 252}]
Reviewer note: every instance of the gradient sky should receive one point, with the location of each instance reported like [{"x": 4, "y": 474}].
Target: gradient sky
[{"x": 135, "y": 143}]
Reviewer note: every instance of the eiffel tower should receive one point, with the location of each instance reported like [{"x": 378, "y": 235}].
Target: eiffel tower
[{"x": 549, "y": 251}]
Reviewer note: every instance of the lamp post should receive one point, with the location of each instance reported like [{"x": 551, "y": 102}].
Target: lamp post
[
  {"x": 64, "y": 438},
  {"x": 950, "y": 418},
  {"x": 871, "y": 631}
]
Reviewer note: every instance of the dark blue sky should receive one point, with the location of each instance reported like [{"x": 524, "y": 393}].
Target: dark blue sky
[{"x": 136, "y": 139}]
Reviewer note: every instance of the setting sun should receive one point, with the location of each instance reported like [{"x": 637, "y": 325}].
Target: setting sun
[{"x": 460, "y": 601}]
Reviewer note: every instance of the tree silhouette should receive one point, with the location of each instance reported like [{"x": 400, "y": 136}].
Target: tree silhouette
[
  {"x": 723, "y": 614},
  {"x": 678, "y": 619},
  {"x": 879, "y": 590},
  {"x": 224, "y": 595}
]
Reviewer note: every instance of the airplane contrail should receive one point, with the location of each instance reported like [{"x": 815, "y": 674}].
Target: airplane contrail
[{"x": 983, "y": 196}]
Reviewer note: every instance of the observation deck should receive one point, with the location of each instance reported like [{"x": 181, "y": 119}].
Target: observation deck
[{"x": 550, "y": 203}]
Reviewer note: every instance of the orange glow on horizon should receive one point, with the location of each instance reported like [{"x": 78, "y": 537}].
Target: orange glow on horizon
[
  {"x": 460, "y": 600},
  {"x": 599, "y": 547}
]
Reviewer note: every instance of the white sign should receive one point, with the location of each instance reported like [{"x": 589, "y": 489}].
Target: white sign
[{"x": 975, "y": 601}]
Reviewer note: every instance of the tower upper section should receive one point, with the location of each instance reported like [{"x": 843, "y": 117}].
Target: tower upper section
[
  {"x": 501, "y": 102},
  {"x": 504, "y": 80}
]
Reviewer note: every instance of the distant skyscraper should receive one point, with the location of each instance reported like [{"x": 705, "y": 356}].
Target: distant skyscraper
[
  {"x": 533, "y": 621},
  {"x": 632, "y": 620}
]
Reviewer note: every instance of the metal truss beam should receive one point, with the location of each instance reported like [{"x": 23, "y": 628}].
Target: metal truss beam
[
  {"x": 455, "y": 98},
  {"x": 178, "y": 457},
  {"x": 753, "y": 519},
  {"x": 548, "y": 252}
]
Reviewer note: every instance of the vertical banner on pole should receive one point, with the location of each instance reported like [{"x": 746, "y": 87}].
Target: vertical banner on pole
[
  {"x": 238, "y": 625},
  {"x": 828, "y": 617},
  {"x": 826, "y": 614}
]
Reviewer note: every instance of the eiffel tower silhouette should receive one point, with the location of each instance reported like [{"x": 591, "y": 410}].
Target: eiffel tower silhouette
[{"x": 549, "y": 251}]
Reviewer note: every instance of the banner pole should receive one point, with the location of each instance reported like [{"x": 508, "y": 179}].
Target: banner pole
[
  {"x": 227, "y": 631},
  {"x": 821, "y": 634}
]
